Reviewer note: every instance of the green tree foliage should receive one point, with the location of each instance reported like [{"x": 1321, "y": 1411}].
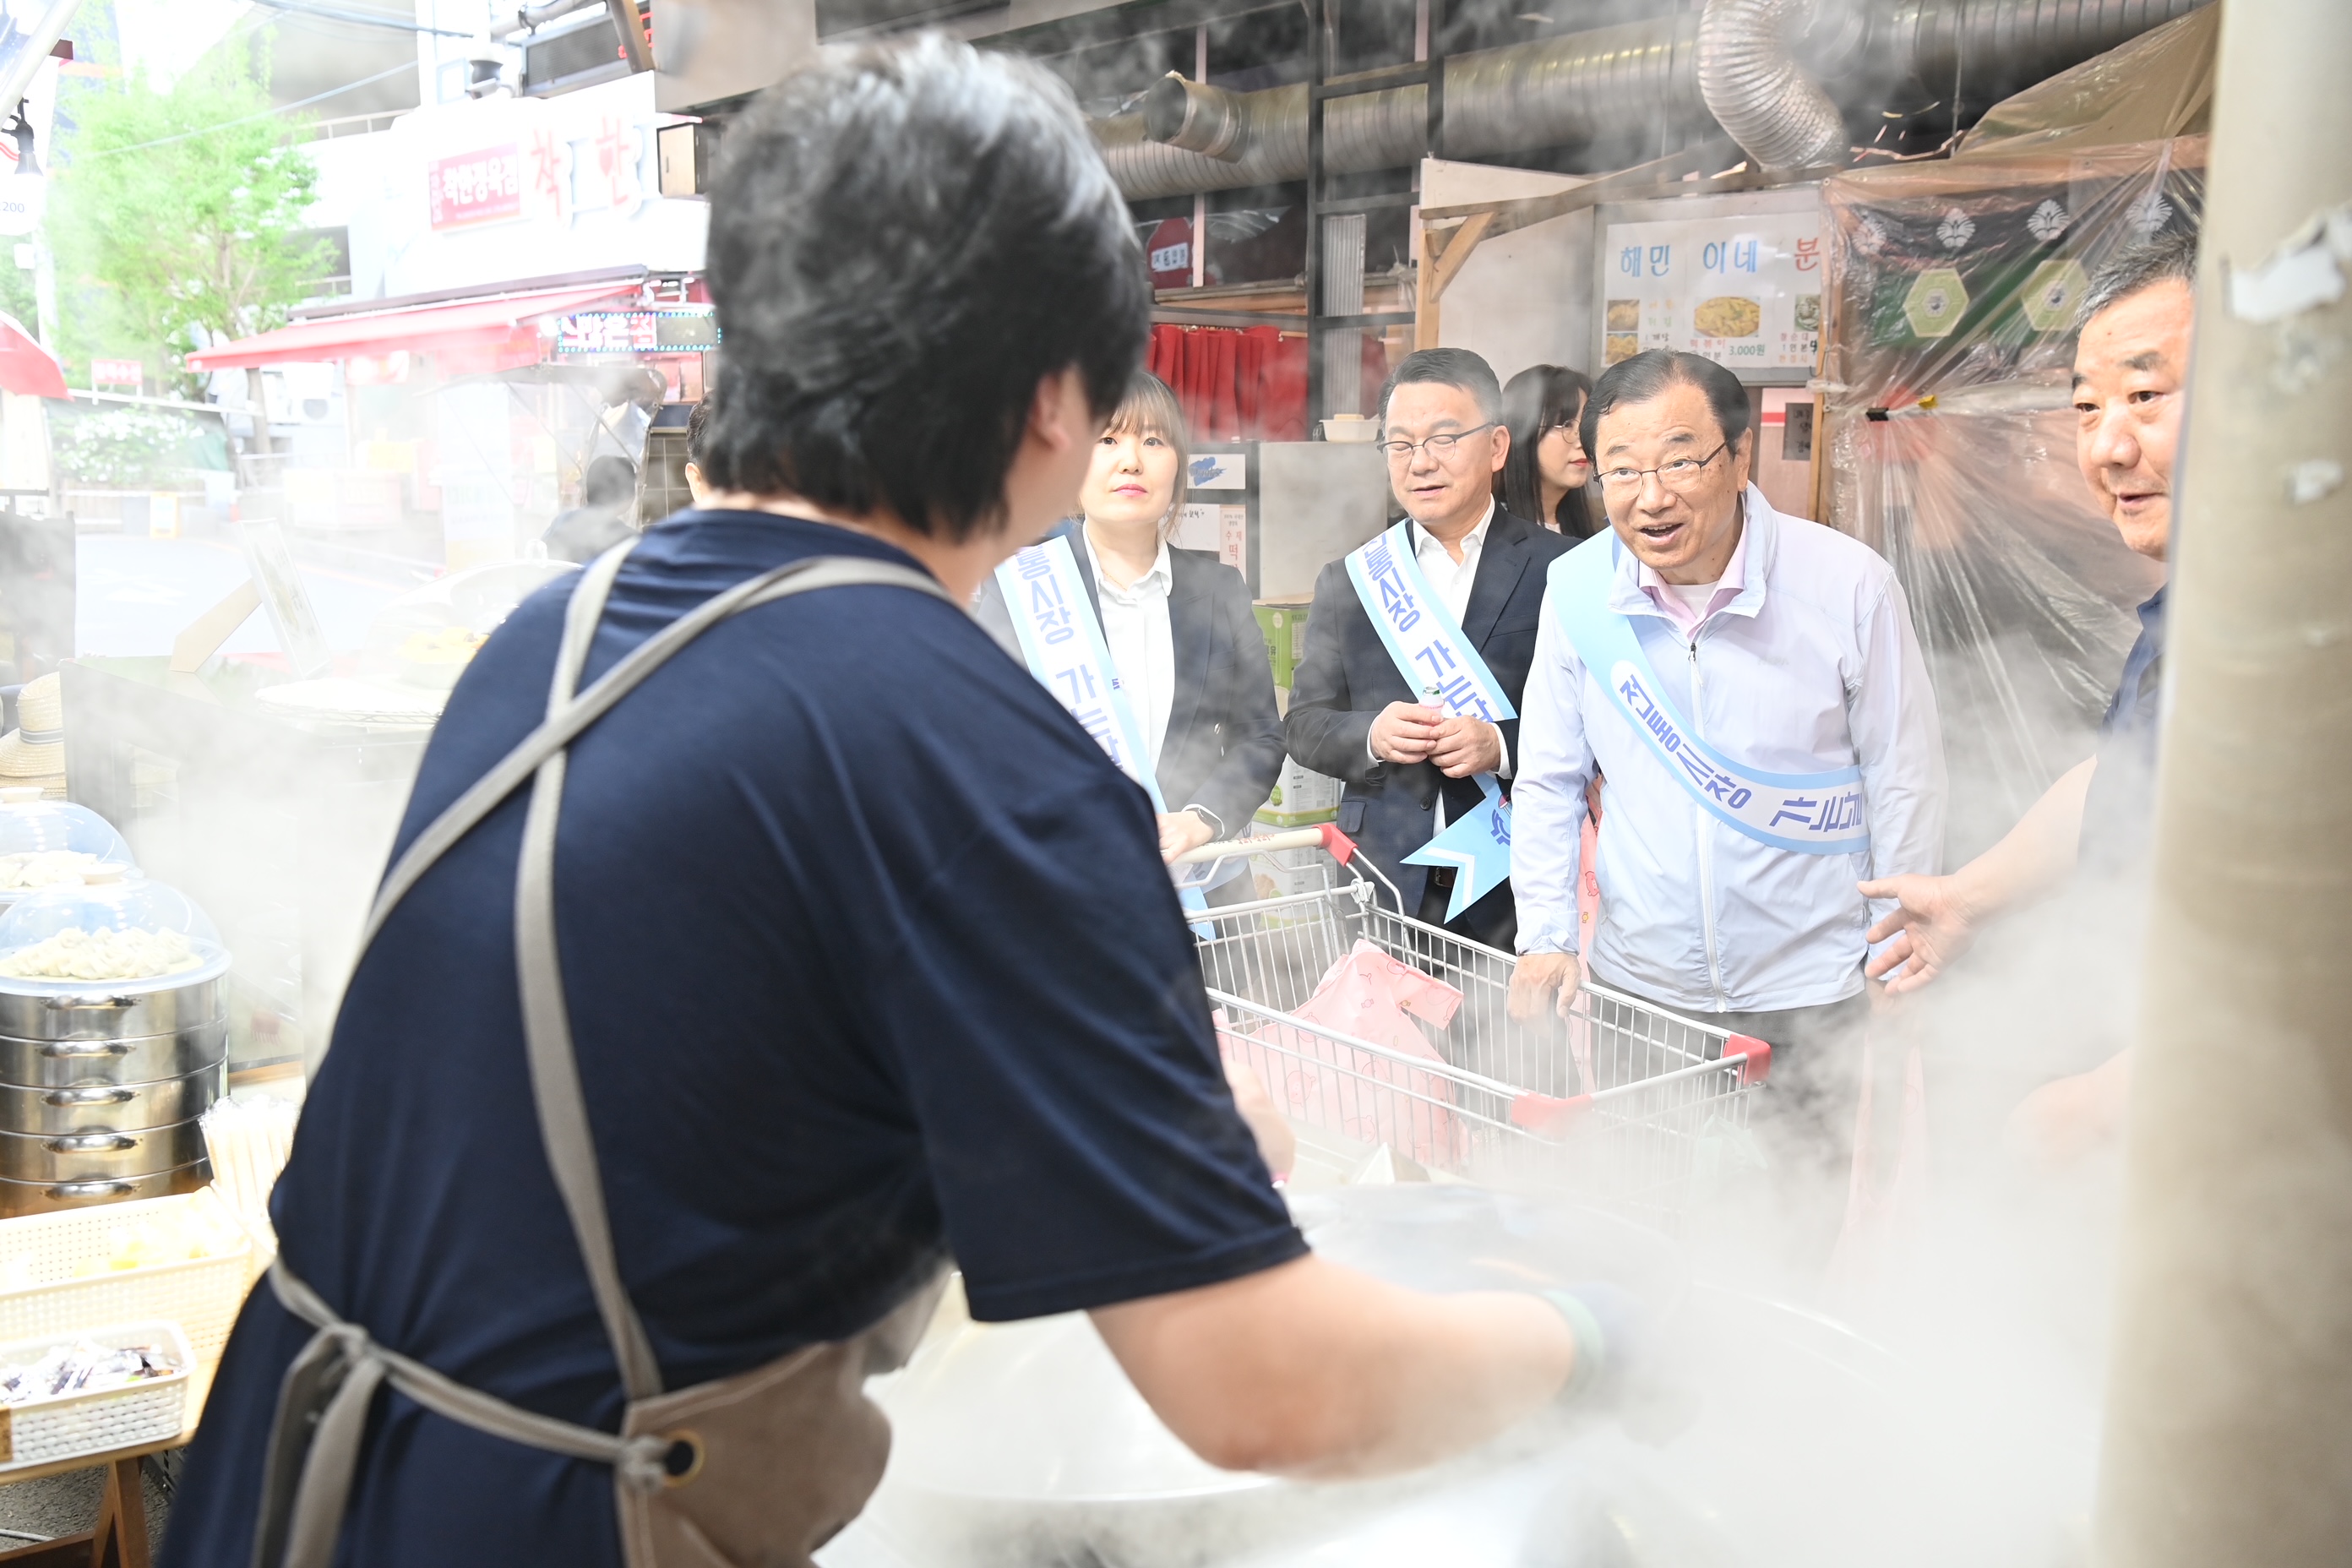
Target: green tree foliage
[{"x": 172, "y": 215}]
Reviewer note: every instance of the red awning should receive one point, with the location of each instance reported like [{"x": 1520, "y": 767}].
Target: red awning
[
  {"x": 25, "y": 367},
  {"x": 458, "y": 324}
]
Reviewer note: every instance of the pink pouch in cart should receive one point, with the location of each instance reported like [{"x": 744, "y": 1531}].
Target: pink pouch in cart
[{"x": 1369, "y": 1098}]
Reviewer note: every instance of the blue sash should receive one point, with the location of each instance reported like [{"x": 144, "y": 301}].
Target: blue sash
[
  {"x": 1811, "y": 813},
  {"x": 1062, "y": 642},
  {"x": 1439, "y": 663}
]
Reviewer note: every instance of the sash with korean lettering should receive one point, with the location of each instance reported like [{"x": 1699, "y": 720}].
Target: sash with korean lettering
[
  {"x": 1062, "y": 642},
  {"x": 1812, "y": 814},
  {"x": 1437, "y": 660}
]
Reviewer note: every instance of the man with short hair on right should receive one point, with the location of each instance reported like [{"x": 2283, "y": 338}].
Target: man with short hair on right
[
  {"x": 2131, "y": 382},
  {"x": 1750, "y": 690}
]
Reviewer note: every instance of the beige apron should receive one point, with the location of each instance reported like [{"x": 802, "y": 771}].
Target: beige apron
[{"x": 759, "y": 1468}]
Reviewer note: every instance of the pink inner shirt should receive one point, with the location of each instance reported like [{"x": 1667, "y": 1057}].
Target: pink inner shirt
[{"x": 1726, "y": 588}]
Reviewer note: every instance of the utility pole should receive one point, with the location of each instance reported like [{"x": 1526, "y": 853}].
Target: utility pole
[{"x": 2228, "y": 1431}]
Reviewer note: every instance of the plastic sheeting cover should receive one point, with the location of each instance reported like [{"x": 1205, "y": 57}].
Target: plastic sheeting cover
[{"x": 1953, "y": 289}]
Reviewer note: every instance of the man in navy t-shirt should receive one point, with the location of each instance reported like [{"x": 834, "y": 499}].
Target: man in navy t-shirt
[{"x": 868, "y": 952}]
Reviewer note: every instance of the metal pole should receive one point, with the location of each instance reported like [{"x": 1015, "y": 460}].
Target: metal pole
[
  {"x": 2229, "y": 1433},
  {"x": 1201, "y": 198},
  {"x": 1321, "y": 49}
]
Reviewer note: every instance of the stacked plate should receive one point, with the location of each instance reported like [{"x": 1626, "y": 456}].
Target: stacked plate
[{"x": 113, "y": 1040}]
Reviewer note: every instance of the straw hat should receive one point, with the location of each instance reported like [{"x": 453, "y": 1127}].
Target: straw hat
[{"x": 36, "y": 753}]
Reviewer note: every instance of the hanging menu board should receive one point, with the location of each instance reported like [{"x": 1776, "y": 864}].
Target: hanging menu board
[{"x": 1744, "y": 291}]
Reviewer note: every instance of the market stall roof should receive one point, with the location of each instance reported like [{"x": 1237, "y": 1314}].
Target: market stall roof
[
  {"x": 459, "y": 324},
  {"x": 25, "y": 367}
]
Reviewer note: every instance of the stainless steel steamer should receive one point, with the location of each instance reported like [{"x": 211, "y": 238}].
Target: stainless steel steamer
[{"x": 102, "y": 1091}]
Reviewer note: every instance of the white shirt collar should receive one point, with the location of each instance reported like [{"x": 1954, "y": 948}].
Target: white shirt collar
[
  {"x": 1160, "y": 578},
  {"x": 1423, "y": 539}
]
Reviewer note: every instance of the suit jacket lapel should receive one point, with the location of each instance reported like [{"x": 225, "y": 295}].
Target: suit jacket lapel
[
  {"x": 1189, "y": 610},
  {"x": 1075, "y": 532},
  {"x": 1500, "y": 566}
]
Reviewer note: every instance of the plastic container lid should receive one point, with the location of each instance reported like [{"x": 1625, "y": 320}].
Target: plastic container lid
[
  {"x": 50, "y": 843},
  {"x": 109, "y": 932}
]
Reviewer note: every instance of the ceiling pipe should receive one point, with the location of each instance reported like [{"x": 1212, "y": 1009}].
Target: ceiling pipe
[
  {"x": 1756, "y": 92},
  {"x": 1642, "y": 78}
]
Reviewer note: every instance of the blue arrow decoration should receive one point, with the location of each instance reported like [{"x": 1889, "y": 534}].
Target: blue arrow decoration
[{"x": 1479, "y": 849}]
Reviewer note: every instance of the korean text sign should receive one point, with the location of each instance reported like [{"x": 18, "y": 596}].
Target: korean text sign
[{"x": 1744, "y": 290}]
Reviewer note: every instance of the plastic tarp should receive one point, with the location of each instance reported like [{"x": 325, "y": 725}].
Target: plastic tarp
[
  {"x": 2153, "y": 87},
  {"x": 1953, "y": 289}
]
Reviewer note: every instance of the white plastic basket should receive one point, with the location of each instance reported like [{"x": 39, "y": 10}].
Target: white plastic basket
[
  {"x": 41, "y": 1298},
  {"x": 41, "y": 1431}
]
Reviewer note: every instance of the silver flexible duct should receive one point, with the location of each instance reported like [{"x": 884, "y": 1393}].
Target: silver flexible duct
[
  {"x": 1643, "y": 78},
  {"x": 1575, "y": 88},
  {"x": 1756, "y": 91}
]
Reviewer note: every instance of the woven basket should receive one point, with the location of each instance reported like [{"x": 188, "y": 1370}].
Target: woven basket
[
  {"x": 41, "y": 1431},
  {"x": 41, "y": 1253}
]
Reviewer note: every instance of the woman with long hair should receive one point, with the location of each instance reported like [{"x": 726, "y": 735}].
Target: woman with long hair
[
  {"x": 1545, "y": 478},
  {"x": 1176, "y": 624}
]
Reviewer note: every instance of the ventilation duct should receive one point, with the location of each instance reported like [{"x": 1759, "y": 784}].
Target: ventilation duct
[
  {"x": 1642, "y": 80},
  {"x": 1756, "y": 91}
]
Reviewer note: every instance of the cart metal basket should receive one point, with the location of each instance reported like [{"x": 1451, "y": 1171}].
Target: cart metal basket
[{"x": 1625, "y": 1105}]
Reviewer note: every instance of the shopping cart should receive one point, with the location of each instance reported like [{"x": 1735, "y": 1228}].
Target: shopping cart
[{"x": 1622, "y": 1104}]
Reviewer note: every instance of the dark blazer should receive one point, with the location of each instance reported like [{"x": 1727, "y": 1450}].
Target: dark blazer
[
  {"x": 1224, "y": 745},
  {"x": 1348, "y": 677}
]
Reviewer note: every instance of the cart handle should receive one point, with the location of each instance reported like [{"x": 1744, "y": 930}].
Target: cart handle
[
  {"x": 1758, "y": 1054},
  {"x": 1549, "y": 1115},
  {"x": 1326, "y": 837}
]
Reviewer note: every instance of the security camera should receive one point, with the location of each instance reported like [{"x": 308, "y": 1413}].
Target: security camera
[{"x": 485, "y": 64}]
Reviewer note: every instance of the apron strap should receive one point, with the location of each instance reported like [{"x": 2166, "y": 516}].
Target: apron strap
[
  {"x": 323, "y": 1411},
  {"x": 555, "y": 1091}
]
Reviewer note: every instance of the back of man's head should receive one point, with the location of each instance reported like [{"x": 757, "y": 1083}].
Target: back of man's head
[
  {"x": 1449, "y": 367},
  {"x": 1648, "y": 374},
  {"x": 904, "y": 244},
  {"x": 608, "y": 480},
  {"x": 2158, "y": 259}
]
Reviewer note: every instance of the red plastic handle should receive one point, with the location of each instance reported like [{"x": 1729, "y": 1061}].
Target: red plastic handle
[
  {"x": 1546, "y": 1117},
  {"x": 1336, "y": 844},
  {"x": 1760, "y": 1057}
]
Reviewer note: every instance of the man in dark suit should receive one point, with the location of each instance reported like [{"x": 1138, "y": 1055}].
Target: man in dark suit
[
  {"x": 1353, "y": 715},
  {"x": 1224, "y": 743}
]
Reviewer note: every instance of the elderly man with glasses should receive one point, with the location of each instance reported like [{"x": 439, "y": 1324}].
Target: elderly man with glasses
[
  {"x": 1417, "y": 649},
  {"x": 1749, "y": 687}
]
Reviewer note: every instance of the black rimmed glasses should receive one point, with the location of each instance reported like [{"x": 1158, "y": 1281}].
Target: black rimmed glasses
[
  {"x": 1440, "y": 446},
  {"x": 1674, "y": 474}
]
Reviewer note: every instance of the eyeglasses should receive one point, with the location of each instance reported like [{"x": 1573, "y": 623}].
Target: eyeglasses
[
  {"x": 1672, "y": 475},
  {"x": 1439, "y": 447}
]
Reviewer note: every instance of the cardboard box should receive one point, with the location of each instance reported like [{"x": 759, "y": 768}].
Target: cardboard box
[{"x": 1301, "y": 798}]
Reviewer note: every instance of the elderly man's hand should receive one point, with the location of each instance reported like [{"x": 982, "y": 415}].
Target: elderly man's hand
[
  {"x": 1543, "y": 980},
  {"x": 1466, "y": 746},
  {"x": 1405, "y": 731},
  {"x": 1932, "y": 925}
]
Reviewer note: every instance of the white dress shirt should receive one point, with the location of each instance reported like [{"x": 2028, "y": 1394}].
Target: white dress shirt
[
  {"x": 1142, "y": 645},
  {"x": 1452, "y": 582}
]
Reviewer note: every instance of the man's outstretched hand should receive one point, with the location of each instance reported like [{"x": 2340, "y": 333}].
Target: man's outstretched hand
[{"x": 1932, "y": 924}]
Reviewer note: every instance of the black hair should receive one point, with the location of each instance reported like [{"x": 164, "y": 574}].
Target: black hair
[
  {"x": 1539, "y": 400},
  {"x": 1648, "y": 374},
  {"x": 698, "y": 445},
  {"x": 2161, "y": 259},
  {"x": 1448, "y": 367},
  {"x": 608, "y": 480},
  {"x": 905, "y": 241}
]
